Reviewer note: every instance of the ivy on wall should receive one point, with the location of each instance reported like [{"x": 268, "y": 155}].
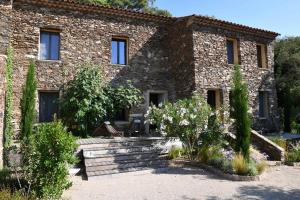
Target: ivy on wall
[{"x": 8, "y": 125}]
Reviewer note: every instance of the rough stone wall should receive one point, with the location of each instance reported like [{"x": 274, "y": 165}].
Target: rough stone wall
[
  {"x": 5, "y": 28},
  {"x": 87, "y": 38},
  {"x": 213, "y": 72},
  {"x": 5, "y": 14},
  {"x": 181, "y": 57}
]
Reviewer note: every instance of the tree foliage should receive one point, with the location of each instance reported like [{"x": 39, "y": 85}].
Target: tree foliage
[
  {"x": 191, "y": 119},
  {"x": 88, "y": 102},
  {"x": 287, "y": 73},
  {"x": 52, "y": 154},
  {"x": 28, "y": 115},
  {"x": 138, "y": 5},
  {"x": 8, "y": 131},
  {"x": 28, "y": 103},
  {"x": 240, "y": 113}
]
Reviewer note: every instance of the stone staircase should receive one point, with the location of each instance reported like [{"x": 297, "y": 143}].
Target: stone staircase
[{"x": 110, "y": 156}]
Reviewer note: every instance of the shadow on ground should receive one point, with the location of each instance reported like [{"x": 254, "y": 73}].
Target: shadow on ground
[{"x": 261, "y": 192}]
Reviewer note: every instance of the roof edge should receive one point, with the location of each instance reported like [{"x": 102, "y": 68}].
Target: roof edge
[{"x": 108, "y": 10}]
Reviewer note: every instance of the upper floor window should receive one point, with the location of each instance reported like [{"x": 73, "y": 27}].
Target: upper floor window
[
  {"x": 49, "y": 45},
  {"x": 119, "y": 51},
  {"x": 232, "y": 46},
  {"x": 261, "y": 51}
]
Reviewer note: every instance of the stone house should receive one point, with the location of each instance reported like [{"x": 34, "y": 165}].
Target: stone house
[{"x": 168, "y": 58}]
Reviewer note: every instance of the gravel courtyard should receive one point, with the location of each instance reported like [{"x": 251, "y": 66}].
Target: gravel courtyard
[{"x": 186, "y": 184}]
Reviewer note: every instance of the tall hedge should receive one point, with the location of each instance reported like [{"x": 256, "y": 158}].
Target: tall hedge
[
  {"x": 8, "y": 125},
  {"x": 240, "y": 113}
]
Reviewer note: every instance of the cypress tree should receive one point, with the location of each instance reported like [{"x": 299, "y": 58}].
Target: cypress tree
[
  {"x": 240, "y": 113},
  {"x": 28, "y": 104}
]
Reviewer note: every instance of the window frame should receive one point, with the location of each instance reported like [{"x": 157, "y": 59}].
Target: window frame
[
  {"x": 126, "y": 53},
  {"x": 236, "y": 57},
  {"x": 263, "y": 56},
  {"x": 54, "y": 32}
]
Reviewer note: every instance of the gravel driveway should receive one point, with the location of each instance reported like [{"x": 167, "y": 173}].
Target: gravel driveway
[{"x": 186, "y": 184}]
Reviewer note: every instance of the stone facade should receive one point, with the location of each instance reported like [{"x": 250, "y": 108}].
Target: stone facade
[
  {"x": 178, "y": 56},
  {"x": 213, "y": 72}
]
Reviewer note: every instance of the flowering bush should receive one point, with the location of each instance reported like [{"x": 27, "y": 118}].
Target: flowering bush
[{"x": 192, "y": 120}]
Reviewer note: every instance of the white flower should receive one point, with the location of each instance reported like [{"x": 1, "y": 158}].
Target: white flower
[
  {"x": 205, "y": 126},
  {"x": 193, "y": 116},
  {"x": 183, "y": 110},
  {"x": 163, "y": 133},
  {"x": 184, "y": 122},
  {"x": 160, "y": 105},
  {"x": 170, "y": 119},
  {"x": 162, "y": 127}
]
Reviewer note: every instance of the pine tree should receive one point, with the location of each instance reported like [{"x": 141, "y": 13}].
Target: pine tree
[
  {"x": 28, "y": 104},
  {"x": 240, "y": 113},
  {"x": 8, "y": 126}
]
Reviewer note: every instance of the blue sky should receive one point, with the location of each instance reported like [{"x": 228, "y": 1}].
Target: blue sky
[{"x": 282, "y": 16}]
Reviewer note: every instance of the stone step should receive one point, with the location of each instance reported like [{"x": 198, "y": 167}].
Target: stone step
[
  {"x": 90, "y": 163},
  {"x": 142, "y": 163},
  {"x": 127, "y": 169},
  {"x": 122, "y": 157},
  {"x": 119, "y": 151},
  {"x": 114, "y": 144}
]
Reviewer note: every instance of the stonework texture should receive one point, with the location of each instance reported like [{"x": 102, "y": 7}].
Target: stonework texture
[{"x": 179, "y": 56}]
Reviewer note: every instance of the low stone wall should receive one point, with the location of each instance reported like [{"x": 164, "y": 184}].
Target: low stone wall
[
  {"x": 232, "y": 177},
  {"x": 274, "y": 151}
]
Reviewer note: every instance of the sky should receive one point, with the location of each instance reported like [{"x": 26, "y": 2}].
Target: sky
[{"x": 281, "y": 16}]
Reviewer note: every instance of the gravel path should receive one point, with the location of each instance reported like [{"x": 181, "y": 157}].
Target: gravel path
[{"x": 186, "y": 184}]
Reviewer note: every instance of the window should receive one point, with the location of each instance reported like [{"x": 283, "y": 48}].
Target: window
[
  {"x": 49, "y": 45},
  {"x": 119, "y": 51},
  {"x": 214, "y": 98},
  {"x": 211, "y": 98},
  {"x": 233, "y": 54},
  {"x": 122, "y": 115},
  {"x": 261, "y": 51},
  {"x": 263, "y": 104},
  {"x": 48, "y": 105}
]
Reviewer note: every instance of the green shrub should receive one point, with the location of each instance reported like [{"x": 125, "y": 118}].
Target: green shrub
[
  {"x": 7, "y": 194},
  {"x": 227, "y": 166},
  {"x": 280, "y": 142},
  {"x": 4, "y": 177},
  {"x": 252, "y": 169},
  {"x": 240, "y": 164},
  {"x": 240, "y": 113},
  {"x": 261, "y": 167},
  {"x": 293, "y": 155},
  {"x": 191, "y": 119},
  {"x": 88, "y": 102},
  {"x": 207, "y": 153},
  {"x": 175, "y": 152},
  {"x": 295, "y": 127},
  {"x": 53, "y": 152}
]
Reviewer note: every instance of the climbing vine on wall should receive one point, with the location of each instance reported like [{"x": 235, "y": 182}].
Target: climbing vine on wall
[{"x": 8, "y": 125}]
